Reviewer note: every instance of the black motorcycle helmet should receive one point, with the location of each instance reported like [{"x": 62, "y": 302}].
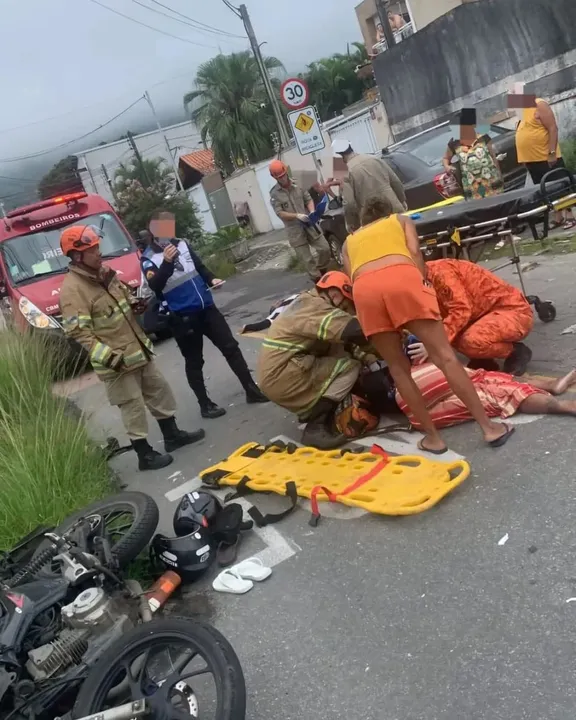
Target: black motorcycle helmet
[
  {"x": 189, "y": 556},
  {"x": 195, "y": 509}
]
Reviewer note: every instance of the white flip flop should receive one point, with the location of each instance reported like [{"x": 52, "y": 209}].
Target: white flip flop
[
  {"x": 252, "y": 569},
  {"x": 229, "y": 581}
]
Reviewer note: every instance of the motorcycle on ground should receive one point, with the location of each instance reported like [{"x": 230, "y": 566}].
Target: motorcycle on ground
[{"x": 78, "y": 637}]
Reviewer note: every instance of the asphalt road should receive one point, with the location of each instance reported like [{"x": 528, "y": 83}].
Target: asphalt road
[{"x": 460, "y": 612}]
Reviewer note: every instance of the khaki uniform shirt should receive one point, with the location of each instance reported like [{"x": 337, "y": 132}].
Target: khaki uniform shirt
[
  {"x": 303, "y": 353},
  {"x": 96, "y": 312},
  {"x": 292, "y": 200},
  {"x": 370, "y": 177}
]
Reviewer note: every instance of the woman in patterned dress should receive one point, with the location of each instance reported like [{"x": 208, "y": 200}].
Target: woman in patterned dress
[{"x": 479, "y": 167}]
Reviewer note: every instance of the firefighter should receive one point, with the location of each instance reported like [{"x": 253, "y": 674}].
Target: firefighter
[
  {"x": 293, "y": 205},
  {"x": 485, "y": 317},
  {"x": 177, "y": 276},
  {"x": 98, "y": 311},
  {"x": 310, "y": 361}
]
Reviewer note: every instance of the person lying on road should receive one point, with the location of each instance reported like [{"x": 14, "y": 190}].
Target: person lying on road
[{"x": 501, "y": 395}]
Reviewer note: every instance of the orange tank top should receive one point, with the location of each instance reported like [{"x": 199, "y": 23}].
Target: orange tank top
[
  {"x": 532, "y": 138},
  {"x": 375, "y": 241}
]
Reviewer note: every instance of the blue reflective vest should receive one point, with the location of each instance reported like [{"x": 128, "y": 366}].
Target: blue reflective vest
[{"x": 185, "y": 291}]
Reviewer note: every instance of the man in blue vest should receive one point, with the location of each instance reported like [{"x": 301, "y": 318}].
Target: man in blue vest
[{"x": 176, "y": 274}]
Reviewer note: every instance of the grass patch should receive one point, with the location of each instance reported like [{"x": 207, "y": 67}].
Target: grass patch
[
  {"x": 49, "y": 467},
  {"x": 550, "y": 246},
  {"x": 221, "y": 266},
  {"x": 295, "y": 264}
]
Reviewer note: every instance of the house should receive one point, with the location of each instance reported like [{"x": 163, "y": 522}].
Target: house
[{"x": 416, "y": 13}]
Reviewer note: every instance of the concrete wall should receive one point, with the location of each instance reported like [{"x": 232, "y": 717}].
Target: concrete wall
[
  {"x": 423, "y": 12},
  {"x": 449, "y": 64}
]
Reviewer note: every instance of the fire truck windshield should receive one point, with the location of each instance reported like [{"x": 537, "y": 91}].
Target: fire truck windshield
[{"x": 29, "y": 256}]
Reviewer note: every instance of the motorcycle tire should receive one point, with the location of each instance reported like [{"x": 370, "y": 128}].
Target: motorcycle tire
[
  {"x": 145, "y": 513},
  {"x": 215, "y": 650}
]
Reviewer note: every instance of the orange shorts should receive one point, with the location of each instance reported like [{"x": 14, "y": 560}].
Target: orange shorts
[{"x": 388, "y": 298}]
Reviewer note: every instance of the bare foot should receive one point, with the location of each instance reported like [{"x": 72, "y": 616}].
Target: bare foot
[{"x": 564, "y": 383}]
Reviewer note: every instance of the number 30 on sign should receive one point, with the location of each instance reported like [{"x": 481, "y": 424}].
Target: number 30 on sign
[{"x": 294, "y": 93}]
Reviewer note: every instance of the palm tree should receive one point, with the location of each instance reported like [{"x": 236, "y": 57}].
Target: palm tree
[{"x": 232, "y": 109}]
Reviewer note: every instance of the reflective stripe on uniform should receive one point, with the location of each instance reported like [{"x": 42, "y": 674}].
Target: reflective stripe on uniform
[
  {"x": 283, "y": 345},
  {"x": 134, "y": 358},
  {"x": 341, "y": 365},
  {"x": 100, "y": 353},
  {"x": 325, "y": 324}
]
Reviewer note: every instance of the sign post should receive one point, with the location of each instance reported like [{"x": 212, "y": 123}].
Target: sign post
[{"x": 303, "y": 119}]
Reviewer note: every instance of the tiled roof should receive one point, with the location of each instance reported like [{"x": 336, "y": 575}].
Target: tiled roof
[{"x": 201, "y": 160}]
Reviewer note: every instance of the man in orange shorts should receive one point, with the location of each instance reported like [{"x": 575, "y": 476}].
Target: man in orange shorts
[{"x": 485, "y": 318}]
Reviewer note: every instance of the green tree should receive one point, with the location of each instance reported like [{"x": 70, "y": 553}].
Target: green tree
[
  {"x": 231, "y": 108},
  {"x": 333, "y": 81},
  {"x": 144, "y": 189},
  {"x": 62, "y": 178}
]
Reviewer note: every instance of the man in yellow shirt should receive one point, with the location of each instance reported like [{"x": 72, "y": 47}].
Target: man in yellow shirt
[{"x": 538, "y": 148}]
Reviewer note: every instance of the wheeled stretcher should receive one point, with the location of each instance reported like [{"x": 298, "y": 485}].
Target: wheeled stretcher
[{"x": 466, "y": 228}]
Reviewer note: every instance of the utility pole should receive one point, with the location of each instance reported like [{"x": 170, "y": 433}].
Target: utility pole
[
  {"x": 381, "y": 6},
  {"x": 168, "y": 148},
  {"x": 284, "y": 137},
  {"x": 107, "y": 180},
  {"x": 138, "y": 157}
]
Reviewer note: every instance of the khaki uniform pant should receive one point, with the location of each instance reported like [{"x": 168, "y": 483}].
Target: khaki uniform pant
[
  {"x": 342, "y": 385},
  {"x": 303, "y": 246},
  {"x": 136, "y": 390}
]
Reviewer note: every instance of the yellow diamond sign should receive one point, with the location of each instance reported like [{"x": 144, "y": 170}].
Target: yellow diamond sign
[{"x": 304, "y": 123}]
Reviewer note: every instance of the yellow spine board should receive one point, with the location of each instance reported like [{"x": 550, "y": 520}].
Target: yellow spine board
[{"x": 406, "y": 485}]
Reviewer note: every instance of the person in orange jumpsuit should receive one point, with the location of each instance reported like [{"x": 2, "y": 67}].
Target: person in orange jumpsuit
[{"x": 485, "y": 318}]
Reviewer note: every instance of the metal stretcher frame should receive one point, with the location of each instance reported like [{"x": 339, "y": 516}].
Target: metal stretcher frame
[{"x": 503, "y": 229}]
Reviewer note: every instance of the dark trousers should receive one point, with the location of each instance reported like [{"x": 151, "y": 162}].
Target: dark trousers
[{"x": 189, "y": 333}]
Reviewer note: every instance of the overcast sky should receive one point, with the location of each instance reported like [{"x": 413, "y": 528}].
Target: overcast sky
[{"x": 70, "y": 65}]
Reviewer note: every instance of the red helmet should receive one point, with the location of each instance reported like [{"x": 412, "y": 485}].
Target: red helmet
[
  {"x": 338, "y": 280},
  {"x": 278, "y": 169}
]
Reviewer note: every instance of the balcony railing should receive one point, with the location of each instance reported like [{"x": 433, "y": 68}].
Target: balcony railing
[{"x": 399, "y": 35}]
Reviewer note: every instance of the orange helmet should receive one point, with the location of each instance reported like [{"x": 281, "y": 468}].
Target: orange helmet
[
  {"x": 338, "y": 280},
  {"x": 278, "y": 168},
  {"x": 79, "y": 238}
]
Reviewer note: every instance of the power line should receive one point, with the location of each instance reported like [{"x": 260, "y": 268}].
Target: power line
[
  {"x": 151, "y": 27},
  {"x": 234, "y": 9},
  {"x": 199, "y": 26},
  {"x": 70, "y": 142}
]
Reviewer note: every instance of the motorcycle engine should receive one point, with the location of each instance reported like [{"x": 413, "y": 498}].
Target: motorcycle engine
[{"x": 93, "y": 613}]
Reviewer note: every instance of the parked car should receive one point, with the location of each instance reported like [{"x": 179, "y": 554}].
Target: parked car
[{"x": 418, "y": 163}]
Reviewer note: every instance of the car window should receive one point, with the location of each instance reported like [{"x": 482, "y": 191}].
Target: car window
[
  {"x": 405, "y": 166},
  {"x": 430, "y": 147}
]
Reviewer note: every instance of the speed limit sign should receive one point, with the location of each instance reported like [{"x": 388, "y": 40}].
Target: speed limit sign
[{"x": 294, "y": 93}]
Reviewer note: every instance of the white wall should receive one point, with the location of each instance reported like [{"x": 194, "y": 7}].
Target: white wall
[
  {"x": 244, "y": 187},
  {"x": 197, "y": 195},
  {"x": 183, "y": 138}
]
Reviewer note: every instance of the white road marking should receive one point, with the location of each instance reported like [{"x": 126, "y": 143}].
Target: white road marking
[{"x": 186, "y": 487}]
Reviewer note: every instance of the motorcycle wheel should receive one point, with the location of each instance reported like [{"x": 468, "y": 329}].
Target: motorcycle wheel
[
  {"x": 199, "y": 637},
  {"x": 125, "y": 546}
]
